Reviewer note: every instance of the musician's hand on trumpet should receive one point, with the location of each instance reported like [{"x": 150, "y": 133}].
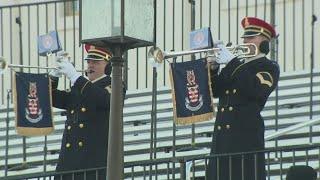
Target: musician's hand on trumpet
[
  {"x": 223, "y": 55},
  {"x": 56, "y": 72},
  {"x": 65, "y": 67}
]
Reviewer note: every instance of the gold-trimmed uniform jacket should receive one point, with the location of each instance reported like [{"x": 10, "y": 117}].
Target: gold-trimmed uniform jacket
[
  {"x": 85, "y": 137},
  {"x": 243, "y": 87}
]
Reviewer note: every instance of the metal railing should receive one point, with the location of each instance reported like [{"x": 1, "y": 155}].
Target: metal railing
[{"x": 289, "y": 156}]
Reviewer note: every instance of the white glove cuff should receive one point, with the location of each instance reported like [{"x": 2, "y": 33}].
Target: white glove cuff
[{"x": 74, "y": 77}]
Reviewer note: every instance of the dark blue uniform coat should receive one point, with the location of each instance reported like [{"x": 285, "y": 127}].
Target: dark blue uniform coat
[
  {"x": 85, "y": 138},
  {"x": 243, "y": 88}
]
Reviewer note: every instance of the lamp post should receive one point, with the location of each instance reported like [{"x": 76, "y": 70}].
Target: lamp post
[{"x": 117, "y": 25}]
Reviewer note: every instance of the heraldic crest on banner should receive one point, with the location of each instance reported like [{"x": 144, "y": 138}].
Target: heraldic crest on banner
[
  {"x": 191, "y": 92},
  {"x": 194, "y": 100},
  {"x": 32, "y": 104},
  {"x": 33, "y": 110}
]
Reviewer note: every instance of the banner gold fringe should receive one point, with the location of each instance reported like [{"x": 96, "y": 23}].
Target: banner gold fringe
[{"x": 193, "y": 119}]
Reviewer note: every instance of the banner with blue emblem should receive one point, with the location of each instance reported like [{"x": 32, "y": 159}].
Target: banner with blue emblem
[
  {"x": 32, "y": 104},
  {"x": 191, "y": 92},
  {"x": 49, "y": 43}
]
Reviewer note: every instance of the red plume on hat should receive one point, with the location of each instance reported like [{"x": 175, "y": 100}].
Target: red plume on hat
[
  {"x": 254, "y": 26},
  {"x": 97, "y": 53}
]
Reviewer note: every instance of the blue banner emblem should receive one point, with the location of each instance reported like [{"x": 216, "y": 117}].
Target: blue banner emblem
[
  {"x": 191, "y": 92},
  {"x": 49, "y": 43},
  {"x": 32, "y": 104},
  {"x": 201, "y": 38}
]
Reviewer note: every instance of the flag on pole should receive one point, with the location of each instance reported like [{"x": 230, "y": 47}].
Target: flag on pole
[
  {"x": 191, "y": 92},
  {"x": 32, "y": 104}
]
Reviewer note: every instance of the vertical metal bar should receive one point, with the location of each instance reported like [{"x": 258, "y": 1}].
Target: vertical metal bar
[
  {"x": 193, "y": 169},
  {"x": 29, "y": 40},
  {"x": 74, "y": 30},
  {"x": 168, "y": 172},
  {"x": 318, "y": 159},
  {"x": 65, "y": 36},
  {"x": 206, "y": 161},
  {"x": 284, "y": 36},
  {"x": 193, "y": 57},
  {"x": 303, "y": 36},
  {"x": 229, "y": 24},
  {"x": 1, "y": 52},
  {"x": 46, "y": 8},
  {"x": 137, "y": 67},
  {"x": 247, "y": 7},
  {"x": 7, "y": 135},
  {"x": 294, "y": 157},
  {"x": 144, "y": 172},
  {"x": 274, "y": 56},
  {"x": 218, "y": 167},
  {"x": 193, "y": 25},
  {"x": 237, "y": 18},
  {"x": 230, "y": 167},
  {"x": 219, "y": 19},
  {"x": 242, "y": 167},
  {"x": 255, "y": 166},
  {"x": 164, "y": 40},
  {"x": 154, "y": 99},
  {"x": 255, "y": 8},
  {"x": 268, "y": 163},
  {"x": 174, "y": 149},
  {"x": 294, "y": 34},
  {"x": 182, "y": 170},
  {"x": 200, "y": 13},
  {"x": 314, "y": 19},
  {"x": 38, "y": 32},
  {"x": 156, "y": 170},
  {"x": 173, "y": 47},
  {"x": 281, "y": 168},
  {"x": 153, "y": 117},
  {"x": 210, "y": 9},
  {"x": 147, "y": 67},
  {"x": 11, "y": 47},
  {"x": 307, "y": 157},
  {"x": 265, "y": 9},
  {"x": 132, "y": 172},
  {"x": 182, "y": 29},
  {"x": 45, "y": 151}
]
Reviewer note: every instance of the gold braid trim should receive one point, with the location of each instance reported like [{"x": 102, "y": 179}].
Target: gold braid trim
[{"x": 84, "y": 86}]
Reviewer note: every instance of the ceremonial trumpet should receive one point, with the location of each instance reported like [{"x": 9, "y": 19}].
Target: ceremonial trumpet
[
  {"x": 4, "y": 66},
  {"x": 243, "y": 50}
]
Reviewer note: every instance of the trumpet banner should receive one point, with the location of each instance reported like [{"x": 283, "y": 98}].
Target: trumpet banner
[
  {"x": 191, "y": 92},
  {"x": 32, "y": 104}
]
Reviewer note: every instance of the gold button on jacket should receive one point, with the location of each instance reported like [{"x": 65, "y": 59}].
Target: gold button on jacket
[{"x": 81, "y": 125}]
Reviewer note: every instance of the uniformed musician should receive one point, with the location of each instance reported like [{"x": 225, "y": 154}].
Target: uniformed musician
[
  {"x": 243, "y": 87},
  {"x": 85, "y": 137}
]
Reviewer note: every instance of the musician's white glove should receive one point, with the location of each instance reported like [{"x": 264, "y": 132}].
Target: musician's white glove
[
  {"x": 55, "y": 73},
  {"x": 68, "y": 70},
  {"x": 224, "y": 55},
  {"x": 61, "y": 55}
]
